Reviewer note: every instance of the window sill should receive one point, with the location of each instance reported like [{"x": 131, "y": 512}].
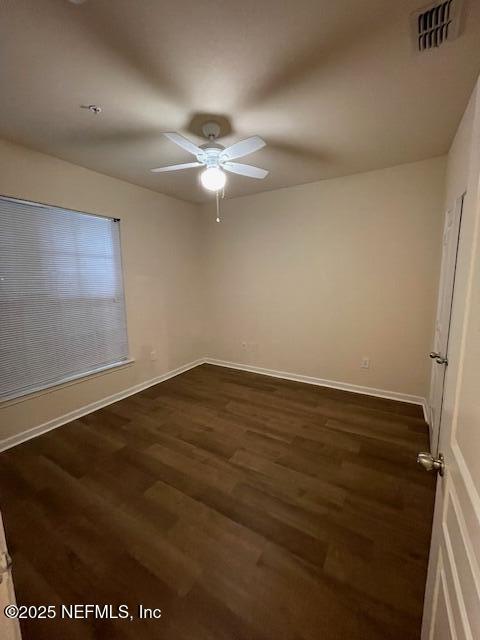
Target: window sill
[{"x": 61, "y": 384}]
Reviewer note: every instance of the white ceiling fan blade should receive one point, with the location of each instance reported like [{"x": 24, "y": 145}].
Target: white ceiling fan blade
[
  {"x": 245, "y": 170},
  {"x": 176, "y": 167},
  {"x": 184, "y": 143},
  {"x": 243, "y": 148}
]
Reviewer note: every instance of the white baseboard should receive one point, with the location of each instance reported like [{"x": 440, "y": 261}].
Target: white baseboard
[
  {"x": 320, "y": 382},
  {"x": 12, "y": 441}
]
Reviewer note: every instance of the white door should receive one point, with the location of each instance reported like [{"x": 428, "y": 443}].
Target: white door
[
  {"x": 442, "y": 325},
  {"x": 452, "y": 599},
  {"x": 9, "y": 628}
]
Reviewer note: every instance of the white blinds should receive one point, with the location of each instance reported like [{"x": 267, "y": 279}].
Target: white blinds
[{"x": 62, "y": 311}]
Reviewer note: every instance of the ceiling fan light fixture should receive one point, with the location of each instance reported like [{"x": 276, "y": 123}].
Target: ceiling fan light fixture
[{"x": 213, "y": 179}]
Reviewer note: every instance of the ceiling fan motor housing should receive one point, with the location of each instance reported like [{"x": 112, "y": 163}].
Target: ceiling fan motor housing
[
  {"x": 210, "y": 155},
  {"x": 211, "y": 149}
]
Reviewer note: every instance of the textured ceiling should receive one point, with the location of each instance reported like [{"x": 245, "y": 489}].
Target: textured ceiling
[{"x": 333, "y": 87}]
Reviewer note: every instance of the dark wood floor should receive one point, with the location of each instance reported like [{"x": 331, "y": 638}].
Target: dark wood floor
[{"x": 245, "y": 507}]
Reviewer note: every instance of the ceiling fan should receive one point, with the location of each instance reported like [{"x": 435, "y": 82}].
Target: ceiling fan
[{"x": 216, "y": 158}]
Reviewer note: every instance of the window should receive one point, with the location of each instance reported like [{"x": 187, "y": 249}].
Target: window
[{"x": 62, "y": 309}]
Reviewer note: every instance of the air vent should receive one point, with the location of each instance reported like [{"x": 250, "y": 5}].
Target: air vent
[{"x": 436, "y": 24}]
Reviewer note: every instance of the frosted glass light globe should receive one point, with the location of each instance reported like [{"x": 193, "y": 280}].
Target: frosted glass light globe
[{"x": 213, "y": 178}]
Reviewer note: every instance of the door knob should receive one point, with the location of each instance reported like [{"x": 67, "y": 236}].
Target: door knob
[
  {"x": 429, "y": 463},
  {"x": 438, "y": 358}
]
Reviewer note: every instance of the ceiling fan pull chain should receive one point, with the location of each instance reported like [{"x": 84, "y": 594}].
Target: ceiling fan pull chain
[{"x": 218, "y": 206}]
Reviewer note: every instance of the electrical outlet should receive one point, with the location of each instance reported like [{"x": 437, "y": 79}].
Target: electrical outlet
[
  {"x": 244, "y": 345},
  {"x": 365, "y": 363},
  {"x": 153, "y": 354}
]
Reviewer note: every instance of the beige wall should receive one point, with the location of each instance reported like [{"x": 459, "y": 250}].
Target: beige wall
[
  {"x": 160, "y": 258},
  {"x": 312, "y": 278},
  {"x": 317, "y": 276},
  {"x": 467, "y": 414}
]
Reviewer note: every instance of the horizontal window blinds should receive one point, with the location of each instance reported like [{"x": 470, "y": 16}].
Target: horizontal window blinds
[{"x": 62, "y": 310}]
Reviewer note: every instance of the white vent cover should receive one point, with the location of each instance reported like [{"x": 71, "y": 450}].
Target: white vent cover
[{"x": 436, "y": 24}]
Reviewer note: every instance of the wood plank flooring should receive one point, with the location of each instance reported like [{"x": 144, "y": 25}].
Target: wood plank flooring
[{"x": 244, "y": 507}]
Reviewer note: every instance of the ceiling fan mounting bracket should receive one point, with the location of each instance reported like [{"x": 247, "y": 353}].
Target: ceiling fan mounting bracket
[{"x": 211, "y": 130}]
